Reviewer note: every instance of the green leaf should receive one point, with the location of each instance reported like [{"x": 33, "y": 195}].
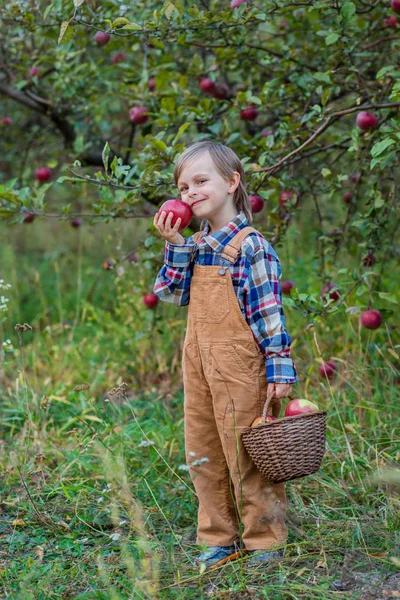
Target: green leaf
[
  {"x": 326, "y": 172},
  {"x": 120, "y": 21},
  {"x": 105, "y": 155},
  {"x": 332, "y": 38},
  {"x": 181, "y": 130},
  {"x": 379, "y": 147},
  {"x": 132, "y": 27},
  {"x": 78, "y": 3},
  {"x": 389, "y": 297},
  {"x": 347, "y": 11},
  {"x": 67, "y": 32}
]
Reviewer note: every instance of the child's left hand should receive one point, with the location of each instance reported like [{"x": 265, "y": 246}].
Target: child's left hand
[{"x": 279, "y": 390}]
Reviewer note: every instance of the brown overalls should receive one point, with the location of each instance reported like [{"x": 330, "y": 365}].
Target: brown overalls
[{"x": 225, "y": 389}]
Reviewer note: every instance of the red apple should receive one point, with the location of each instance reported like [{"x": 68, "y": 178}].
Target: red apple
[
  {"x": 118, "y": 58},
  {"x": 395, "y": 4},
  {"x": 221, "y": 90},
  {"x": 35, "y": 72},
  {"x": 283, "y": 24},
  {"x": 288, "y": 196},
  {"x": 138, "y": 115},
  {"x": 355, "y": 178},
  {"x": 347, "y": 197},
  {"x": 286, "y": 287},
  {"x": 236, "y": 3},
  {"x": 43, "y": 174},
  {"x": 249, "y": 114},
  {"x": 150, "y": 300},
  {"x": 102, "y": 38},
  {"x": 369, "y": 259},
  {"x": 180, "y": 210},
  {"x": 300, "y": 406},
  {"x": 371, "y": 319},
  {"x": 328, "y": 369},
  {"x": 6, "y": 120},
  {"x": 76, "y": 223},
  {"x": 366, "y": 120},
  {"x": 390, "y": 21},
  {"x": 335, "y": 295},
  {"x": 29, "y": 217},
  {"x": 257, "y": 203},
  {"x": 207, "y": 85},
  {"x": 151, "y": 84}
]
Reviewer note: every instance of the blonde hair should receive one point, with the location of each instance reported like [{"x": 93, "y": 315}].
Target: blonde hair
[{"x": 226, "y": 163}]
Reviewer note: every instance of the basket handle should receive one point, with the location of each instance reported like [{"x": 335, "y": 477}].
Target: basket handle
[{"x": 268, "y": 401}]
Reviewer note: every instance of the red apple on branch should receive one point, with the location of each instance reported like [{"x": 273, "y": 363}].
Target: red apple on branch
[
  {"x": 371, "y": 319},
  {"x": 257, "y": 203},
  {"x": 6, "y": 120},
  {"x": 300, "y": 406},
  {"x": 287, "y": 197},
  {"x": 29, "y": 217},
  {"x": 347, "y": 197},
  {"x": 328, "y": 369},
  {"x": 76, "y": 223},
  {"x": 395, "y": 4},
  {"x": 355, "y": 177},
  {"x": 179, "y": 209},
  {"x": 249, "y": 114},
  {"x": 138, "y": 115},
  {"x": 366, "y": 120},
  {"x": 221, "y": 90},
  {"x": 286, "y": 287},
  {"x": 335, "y": 295},
  {"x": 237, "y": 3},
  {"x": 151, "y": 84},
  {"x": 390, "y": 21},
  {"x": 35, "y": 72},
  {"x": 118, "y": 58},
  {"x": 43, "y": 174},
  {"x": 207, "y": 85},
  {"x": 102, "y": 38},
  {"x": 150, "y": 300},
  {"x": 369, "y": 259}
]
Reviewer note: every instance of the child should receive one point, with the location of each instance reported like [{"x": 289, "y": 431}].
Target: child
[{"x": 236, "y": 351}]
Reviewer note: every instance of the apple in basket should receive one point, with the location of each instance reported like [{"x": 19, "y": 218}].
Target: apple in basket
[
  {"x": 300, "y": 406},
  {"x": 258, "y": 420}
]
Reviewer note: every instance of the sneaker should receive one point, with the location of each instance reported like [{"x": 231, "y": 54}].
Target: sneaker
[
  {"x": 216, "y": 556},
  {"x": 263, "y": 557}
]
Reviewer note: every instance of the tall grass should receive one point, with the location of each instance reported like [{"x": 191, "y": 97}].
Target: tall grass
[{"x": 95, "y": 497}]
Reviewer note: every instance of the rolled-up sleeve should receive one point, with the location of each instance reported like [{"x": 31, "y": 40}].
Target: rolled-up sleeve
[
  {"x": 266, "y": 317},
  {"x": 173, "y": 280}
]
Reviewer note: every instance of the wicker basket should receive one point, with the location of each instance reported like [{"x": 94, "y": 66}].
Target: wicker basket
[{"x": 287, "y": 448}]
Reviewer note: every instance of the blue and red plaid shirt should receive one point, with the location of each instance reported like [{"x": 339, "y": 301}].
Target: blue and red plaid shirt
[{"x": 255, "y": 278}]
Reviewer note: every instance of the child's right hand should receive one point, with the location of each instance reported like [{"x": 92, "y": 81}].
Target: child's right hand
[{"x": 162, "y": 222}]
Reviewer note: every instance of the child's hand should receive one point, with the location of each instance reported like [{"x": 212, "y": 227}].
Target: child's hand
[
  {"x": 162, "y": 223},
  {"x": 279, "y": 390}
]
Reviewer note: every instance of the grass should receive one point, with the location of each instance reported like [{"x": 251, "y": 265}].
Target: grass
[{"x": 95, "y": 500}]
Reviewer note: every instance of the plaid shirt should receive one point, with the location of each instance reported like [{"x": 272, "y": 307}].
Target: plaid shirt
[{"x": 255, "y": 278}]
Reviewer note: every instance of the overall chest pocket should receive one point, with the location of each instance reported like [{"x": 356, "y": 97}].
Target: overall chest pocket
[{"x": 209, "y": 302}]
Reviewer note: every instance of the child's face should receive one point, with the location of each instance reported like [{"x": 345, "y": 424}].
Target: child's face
[{"x": 201, "y": 181}]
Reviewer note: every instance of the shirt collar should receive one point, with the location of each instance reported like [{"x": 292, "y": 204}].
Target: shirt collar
[{"x": 220, "y": 238}]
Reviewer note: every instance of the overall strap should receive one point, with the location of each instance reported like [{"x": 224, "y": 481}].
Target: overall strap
[{"x": 232, "y": 250}]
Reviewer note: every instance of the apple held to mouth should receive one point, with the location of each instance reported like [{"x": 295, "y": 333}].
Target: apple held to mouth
[
  {"x": 300, "y": 406},
  {"x": 180, "y": 210}
]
